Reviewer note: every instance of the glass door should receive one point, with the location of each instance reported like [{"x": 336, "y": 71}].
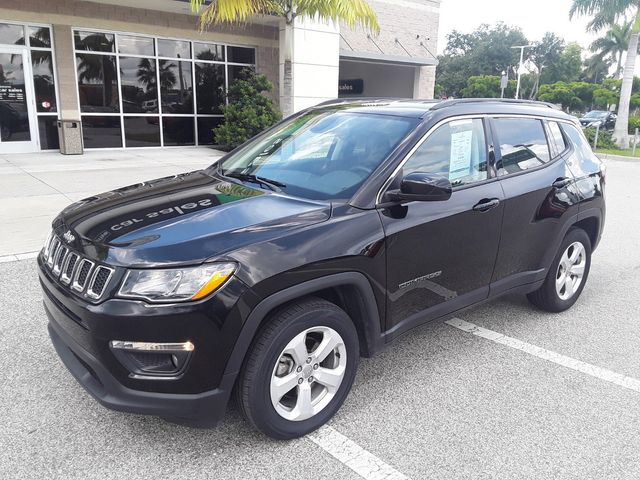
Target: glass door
[{"x": 18, "y": 131}]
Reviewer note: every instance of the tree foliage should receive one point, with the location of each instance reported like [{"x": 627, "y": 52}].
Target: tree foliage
[
  {"x": 248, "y": 111},
  {"x": 352, "y": 12},
  {"x": 485, "y": 51}
]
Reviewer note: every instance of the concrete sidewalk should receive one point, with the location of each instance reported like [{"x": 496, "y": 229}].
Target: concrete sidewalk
[{"x": 34, "y": 187}]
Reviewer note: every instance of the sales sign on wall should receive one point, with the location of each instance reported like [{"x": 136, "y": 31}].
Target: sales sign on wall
[
  {"x": 9, "y": 93},
  {"x": 351, "y": 87}
]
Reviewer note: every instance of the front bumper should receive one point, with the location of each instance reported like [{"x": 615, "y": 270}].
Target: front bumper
[
  {"x": 201, "y": 409},
  {"x": 81, "y": 333}
]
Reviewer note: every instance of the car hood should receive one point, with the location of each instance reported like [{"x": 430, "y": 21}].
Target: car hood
[{"x": 182, "y": 219}]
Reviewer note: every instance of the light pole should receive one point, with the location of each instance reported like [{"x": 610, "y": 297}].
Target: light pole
[{"x": 521, "y": 47}]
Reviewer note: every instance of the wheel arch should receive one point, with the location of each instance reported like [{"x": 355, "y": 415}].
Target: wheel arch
[{"x": 351, "y": 291}]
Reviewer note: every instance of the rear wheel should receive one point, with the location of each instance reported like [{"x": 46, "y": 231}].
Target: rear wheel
[
  {"x": 567, "y": 275},
  {"x": 300, "y": 369}
]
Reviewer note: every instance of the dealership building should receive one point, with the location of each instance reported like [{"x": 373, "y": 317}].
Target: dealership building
[{"x": 124, "y": 74}]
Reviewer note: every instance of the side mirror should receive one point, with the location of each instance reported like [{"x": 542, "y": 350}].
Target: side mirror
[{"x": 422, "y": 187}]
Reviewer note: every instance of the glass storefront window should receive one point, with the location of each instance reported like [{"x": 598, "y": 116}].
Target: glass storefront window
[
  {"x": 208, "y": 51},
  {"x": 206, "y": 125},
  {"x": 101, "y": 132},
  {"x": 235, "y": 72},
  {"x": 136, "y": 45},
  {"x": 11, "y": 34},
  {"x": 48, "y": 129},
  {"x": 178, "y": 131},
  {"x": 174, "y": 48},
  {"x": 139, "y": 85},
  {"x": 158, "y": 91},
  {"x": 43, "y": 80},
  {"x": 39, "y": 37},
  {"x": 94, "y": 41},
  {"x": 241, "y": 55},
  {"x": 97, "y": 83},
  {"x": 210, "y": 86},
  {"x": 142, "y": 131},
  {"x": 176, "y": 86}
]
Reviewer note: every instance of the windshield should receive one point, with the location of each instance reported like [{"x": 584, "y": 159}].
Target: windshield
[
  {"x": 597, "y": 115},
  {"x": 321, "y": 155}
]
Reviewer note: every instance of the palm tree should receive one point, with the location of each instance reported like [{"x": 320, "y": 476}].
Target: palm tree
[
  {"x": 352, "y": 12},
  {"x": 614, "y": 43},
  {"x": 606, "y": 13}
]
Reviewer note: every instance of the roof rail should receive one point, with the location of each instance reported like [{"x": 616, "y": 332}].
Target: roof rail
[{"x": 457, "y": 101}]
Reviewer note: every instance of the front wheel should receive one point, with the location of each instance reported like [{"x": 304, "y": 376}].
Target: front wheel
[
  {"x": 567, "y": 275},
  {"x": 300, "y": 369}
]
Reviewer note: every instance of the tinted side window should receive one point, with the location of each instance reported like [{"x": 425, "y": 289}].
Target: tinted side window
[
  {"x": 556, "y": 138},
  {"x": 456, "y": 150},
  {"x": 523, "y": 144}
]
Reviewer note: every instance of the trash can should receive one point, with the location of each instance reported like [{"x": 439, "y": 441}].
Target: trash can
[{"x": 70, "y": 136}]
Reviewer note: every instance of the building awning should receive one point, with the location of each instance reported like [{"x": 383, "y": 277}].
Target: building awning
[{"x": 388, "y": 59}]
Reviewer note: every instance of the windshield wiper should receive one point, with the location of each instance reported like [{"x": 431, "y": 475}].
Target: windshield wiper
[{"x": 267, "y": 182}]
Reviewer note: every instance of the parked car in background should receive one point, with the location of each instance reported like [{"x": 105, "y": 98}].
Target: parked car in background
[
  {"x": 607, "y": 120},
  {"x": 270, "y": 273}
]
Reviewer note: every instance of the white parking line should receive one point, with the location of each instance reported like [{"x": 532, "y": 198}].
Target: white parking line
[
  {"x": 364, "y": 463},
  {"x": 18, "y": 256},
  {"x": 572, "y": 363}
]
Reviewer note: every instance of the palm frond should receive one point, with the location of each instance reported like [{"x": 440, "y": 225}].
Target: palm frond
[
  {"x": 353, "y": 13},
  {"x": 232, "y": 11},
  {"x": 604, "y": 12}
]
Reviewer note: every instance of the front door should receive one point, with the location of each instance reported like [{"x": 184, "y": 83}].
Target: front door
[
  {"x": 440, "y": 255},
  {"x": 18, "y": 131}
]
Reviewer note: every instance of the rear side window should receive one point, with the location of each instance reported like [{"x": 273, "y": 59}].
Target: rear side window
[
  {"x": 456, "y": 150},
  {"x": 523, "y": 144},
  {"x": 578, "y": 140},
  {"x": 556, "y": 138}
]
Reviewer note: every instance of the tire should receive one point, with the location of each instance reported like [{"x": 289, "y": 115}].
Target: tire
[
  {"x": 273, "y": 356},
  {"x": 554, "y": 298}
]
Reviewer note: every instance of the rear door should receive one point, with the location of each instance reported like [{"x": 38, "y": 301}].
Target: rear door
[
  {"x": 440, "y": 255},
  {"x": 540, "y": 195}
]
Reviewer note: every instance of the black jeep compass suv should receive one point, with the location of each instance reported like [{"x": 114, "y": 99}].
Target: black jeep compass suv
[{"x": 270, "y": 273}]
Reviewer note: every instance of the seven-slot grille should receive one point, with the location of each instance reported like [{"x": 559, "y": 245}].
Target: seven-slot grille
[{"x": 80, "y": 274}]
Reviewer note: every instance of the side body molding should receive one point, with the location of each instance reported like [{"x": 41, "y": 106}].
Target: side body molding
[{"x": 370, "y": 319}]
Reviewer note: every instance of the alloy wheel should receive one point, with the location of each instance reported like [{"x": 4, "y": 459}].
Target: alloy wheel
[
  {"x": 308, "y": 373},
  {"x": 570, "y": 271}
]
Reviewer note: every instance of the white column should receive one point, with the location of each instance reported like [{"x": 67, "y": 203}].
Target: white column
[{"x": 309, "y": 63}]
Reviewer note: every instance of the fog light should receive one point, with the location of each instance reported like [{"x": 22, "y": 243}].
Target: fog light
[
  {"x": 150, "y": 359},
  {"x": 152, "y": 347}
]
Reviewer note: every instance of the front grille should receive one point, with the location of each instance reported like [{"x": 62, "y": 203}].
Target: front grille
[
  {"x": 82, "y": 275},
  {"x": 99, "y": 280}
]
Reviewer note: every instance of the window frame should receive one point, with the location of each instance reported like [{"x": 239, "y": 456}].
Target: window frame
[
  {"x": 498, "y": 150},
  {"x": 489, "y": 147},
  {"x": 491, "y": 139},
  {"x": 567, "y": 142},
  {"x": 30, "y": 48},
  {"x": 195, "y": 116},
  {"x": 498, "y": 153}
]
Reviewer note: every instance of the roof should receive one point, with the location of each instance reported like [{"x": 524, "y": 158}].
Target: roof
[{"x": 463, "y": 106}]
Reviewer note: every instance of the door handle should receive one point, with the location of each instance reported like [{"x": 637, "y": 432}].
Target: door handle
[
  {"x": 486, "y": 204},
  {"x": 561, "y": 182}
]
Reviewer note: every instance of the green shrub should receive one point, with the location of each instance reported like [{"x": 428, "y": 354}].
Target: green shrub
[
  {"x": 248, "y": 112},
  {"x": 634, "y": 122},
  {"x": 604, "y": 138}
]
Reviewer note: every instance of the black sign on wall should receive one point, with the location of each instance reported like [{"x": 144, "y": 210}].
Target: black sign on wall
[
  {"x": 9, "y": 93},
  {"x": 351, "y": 87}
]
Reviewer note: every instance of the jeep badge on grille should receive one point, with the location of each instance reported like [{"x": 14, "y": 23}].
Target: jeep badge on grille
[{"x": 68, "y": 236}]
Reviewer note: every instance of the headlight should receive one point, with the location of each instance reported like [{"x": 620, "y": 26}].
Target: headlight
[{"x": 176, "y": 284}]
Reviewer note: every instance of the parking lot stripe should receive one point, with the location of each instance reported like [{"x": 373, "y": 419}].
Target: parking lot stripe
[
  {"x": 364, "y": 463},
  {"x": 572, "y": 363}
]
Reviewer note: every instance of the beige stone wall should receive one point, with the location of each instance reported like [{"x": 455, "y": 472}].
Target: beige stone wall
[
  {"x": 408, "y": 28},
  {"x": 67, "y": 14}
]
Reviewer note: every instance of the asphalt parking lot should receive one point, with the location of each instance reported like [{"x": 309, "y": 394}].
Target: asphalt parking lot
[{"x": 439, "y": 403}]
